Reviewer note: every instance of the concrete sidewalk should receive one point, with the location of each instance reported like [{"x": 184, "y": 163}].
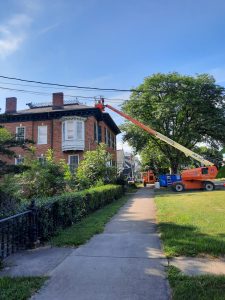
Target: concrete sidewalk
[{"x": 124, "y": 262}]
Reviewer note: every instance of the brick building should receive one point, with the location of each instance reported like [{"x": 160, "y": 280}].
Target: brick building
[{"x": 69, "y": 128}]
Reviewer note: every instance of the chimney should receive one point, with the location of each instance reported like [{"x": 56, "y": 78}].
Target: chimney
[
  {"x": 10, "y": 105},
  {"x": 57, "y": 100}
]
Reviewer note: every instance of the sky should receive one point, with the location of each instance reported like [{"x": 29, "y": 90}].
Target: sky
[{"x": 105, "y": 43}]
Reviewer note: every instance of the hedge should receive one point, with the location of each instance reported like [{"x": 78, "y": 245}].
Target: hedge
[{"x": 61, "y": 211}]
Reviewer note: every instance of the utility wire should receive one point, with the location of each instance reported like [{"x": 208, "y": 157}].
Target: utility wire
[
  {"x": 70, "y": 86},
  {"x": 91, "y": 98}
]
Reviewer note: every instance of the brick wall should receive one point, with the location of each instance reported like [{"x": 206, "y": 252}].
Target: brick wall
[{"x": 54, "y": 138}]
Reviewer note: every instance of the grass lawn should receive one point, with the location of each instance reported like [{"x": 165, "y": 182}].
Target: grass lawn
[
  {"x": 82, "y": 231},
  {"x": 192, "y": 223},
  {"x": 204, "y": 287},
  {"x": 19, "y": 288}
]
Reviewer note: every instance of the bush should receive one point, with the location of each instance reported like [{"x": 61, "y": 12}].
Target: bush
[
  {"x": 61, "y": 211},
  {"x": 95, "y": 168},
  {"x": 8, "y": 205}
]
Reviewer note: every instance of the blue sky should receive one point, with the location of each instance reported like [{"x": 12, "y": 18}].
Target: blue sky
[{"x": 108, "y": 43}]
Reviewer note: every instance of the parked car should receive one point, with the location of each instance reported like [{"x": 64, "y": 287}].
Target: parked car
[{"x": 130, "y": 180}]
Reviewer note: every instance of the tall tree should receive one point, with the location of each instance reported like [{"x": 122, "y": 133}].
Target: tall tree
[{"x": 189, "y": 110}]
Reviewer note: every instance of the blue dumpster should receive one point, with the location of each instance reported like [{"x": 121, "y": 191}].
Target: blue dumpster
[{"x": 167, "y": 180}]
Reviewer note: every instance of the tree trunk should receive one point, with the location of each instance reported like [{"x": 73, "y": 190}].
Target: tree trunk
[{"x": 173, "y": 167}]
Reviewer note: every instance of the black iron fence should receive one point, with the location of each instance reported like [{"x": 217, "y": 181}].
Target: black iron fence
[
  {"x": 18, "y": 232},
  {"x": 38, "y": 223}
]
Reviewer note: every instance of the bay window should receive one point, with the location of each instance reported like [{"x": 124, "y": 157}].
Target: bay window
[{"x": 73, "y": 133}]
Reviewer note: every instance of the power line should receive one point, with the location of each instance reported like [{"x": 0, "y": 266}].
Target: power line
[
  {"x": 70, "y": 86},
  {"x": 91, "y": 98}
]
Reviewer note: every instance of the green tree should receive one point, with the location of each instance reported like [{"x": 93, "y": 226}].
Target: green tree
[
  {"x": 7, "y": 143},
  {"x": 95, "y": 168},
  {"x": 186, "y": 109},
  {"x": 153, "y": 159}
]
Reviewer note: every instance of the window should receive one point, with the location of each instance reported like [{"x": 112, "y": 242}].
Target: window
[
  {"x": 42, "y": 159},
  {"x": 80, "y": 130},
  {"x": 205, "y": 171},
  {"x": 109, "y": 138},
  {"x": 70, "y": 130},
  {"x": 99, "y": 134},
  {"x": 106, "y": 135},
  {"x": 73, "y": 130},
  {"x": 19, "y": 160},
  {"x": 114, "y": 146},
  {"x": 73, "y": 162},
  {"x": 20, "y": 133},
  {"x": 42, "y": 135},
  {"x": 95, "y": 131}
]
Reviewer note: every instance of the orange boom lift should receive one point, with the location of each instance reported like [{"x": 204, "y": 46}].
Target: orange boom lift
[{"x": 198, "y": 178}]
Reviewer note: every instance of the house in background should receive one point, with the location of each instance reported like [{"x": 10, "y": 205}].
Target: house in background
[
  {"x": 67, "y": 127},
  {"x": 128, "y": 165}
]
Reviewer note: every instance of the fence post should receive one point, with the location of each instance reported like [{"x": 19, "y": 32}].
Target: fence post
[{"x": 33, "y": 228}]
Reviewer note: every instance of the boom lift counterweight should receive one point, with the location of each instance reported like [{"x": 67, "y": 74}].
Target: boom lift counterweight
[{"x": 197, "y": 178}]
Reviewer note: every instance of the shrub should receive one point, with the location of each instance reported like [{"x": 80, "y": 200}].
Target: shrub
[
  {"x": 61, "y": 211},
  {"x": 95, "y": 168},
  {"x": 8, "y": 204}
]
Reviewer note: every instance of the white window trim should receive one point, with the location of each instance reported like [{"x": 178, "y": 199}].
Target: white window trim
[
  {"x": 38, "y": 140},
  {"x": 78, "y": 160},
  {"x": 75, "y": 120},
  {"x": 19, "y": 157},
  {"x": 73, "y": 155},
  {"x": 82, "y": 132},
  {"x": 17, "y": 138},
  {"x": 96, "y": 131}
]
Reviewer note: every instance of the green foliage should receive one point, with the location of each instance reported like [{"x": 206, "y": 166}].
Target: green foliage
[
  {"x": 19, "y": 288},
  {"x": 7, "y": 142},
  {"x": 8, "y": 204},
  {"x": 221, "y": 173},
  {"x": 204, "y": 287},
  {"x": 95, "y": 168},
  {"x": 186, "y": 109},
  {"x": 42, "y": 179},
  {"x": 64, "y": 210},
  {"x": 154, "y": 159},
  {"x": 82, "y": 231},
  {"x": 213, "y": 154}
]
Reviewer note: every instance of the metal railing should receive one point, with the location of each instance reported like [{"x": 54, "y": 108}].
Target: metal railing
[{"x": 18, "y": 232}]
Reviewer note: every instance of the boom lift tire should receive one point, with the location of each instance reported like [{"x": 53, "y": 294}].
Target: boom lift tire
[
  {"x": 209, "y": 186},
  {"x": 178, "y": 187}
]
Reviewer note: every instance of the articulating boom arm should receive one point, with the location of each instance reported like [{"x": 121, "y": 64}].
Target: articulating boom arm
[{"x": 158, "y": 135}]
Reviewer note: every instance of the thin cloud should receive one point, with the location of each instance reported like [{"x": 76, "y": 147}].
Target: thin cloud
[
  {"x": 13, "y": 33},
  {"x": 48, "y": 28},
  {"x": 219, "y": 74}
]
